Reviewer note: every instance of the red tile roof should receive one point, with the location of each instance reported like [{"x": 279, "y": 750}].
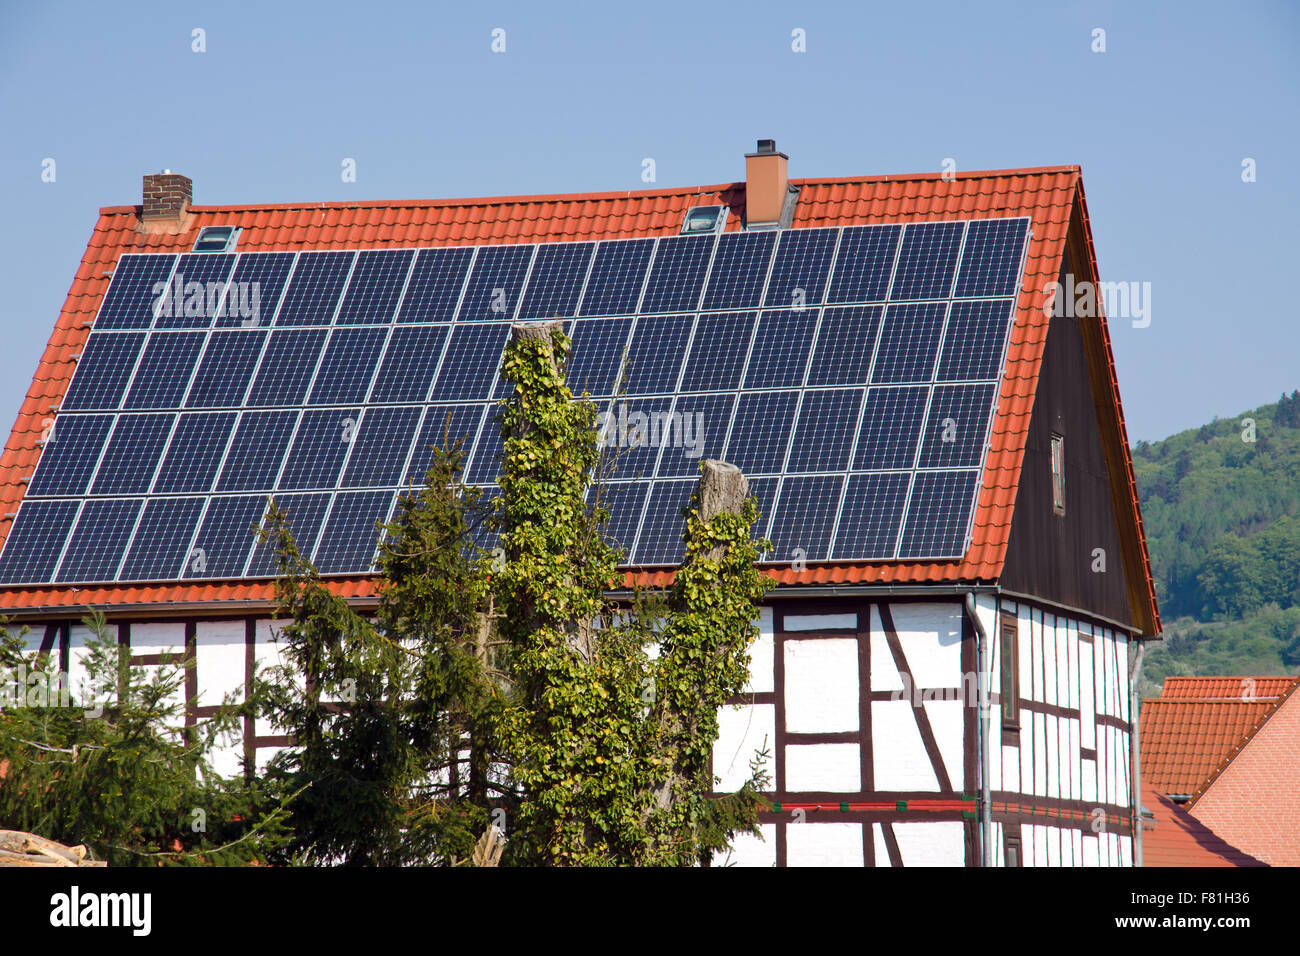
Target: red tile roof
[
  {"x": 1179, "y": 839},
  {"x": 1197, "y": 723},
  {"x": 1049, "y": 196},
  {"x": 1226, "y": 688},
  {"x": 1253, "y": 797}
]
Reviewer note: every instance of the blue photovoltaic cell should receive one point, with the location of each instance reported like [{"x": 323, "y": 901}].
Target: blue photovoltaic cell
[
  {"x": 473, "y": 358},
  {"x": 975, "y": 340},
  {"x": 132, "y": 455},
  {"x": 805, "y": 517},
  {"x": 195, "y": 291},
  {"x": 661, "y": 533},
  {"x": 255, "y": 453},
  {"x": 70, "y": 454},
  {"x": 375, "y": 287},
  {"x": 780, "y": 351},
  {"x": 655, "y": 356},
  {"x": 617, "y": 276},
  {"x": 625, "y": 502},
  {"x": 194, "y": 453},
  {"x": 485, "y": 466},
  {"x": 597, "y": 355},
  {"x": 287, "y": 367},
  {"x": 103, "y": 371},
  {"x": 254, "y": 290},
  {"x": 957, "y": 426},
  {"x": 495, "y": 283},
  {"x": 845, "y": 340},
  {"x": 409, "y": 363},
  {"x": 131, "y": 297},
  {"x": 480, "y": 520},
  {"x": 319, "y": 448},
  {"x": 634, "y": 434},
  {"x": 165, "y": 370},
  {"x": 556, "y": 280},
  {"x": 225, "y": 537},
  {"x": 677, "y": 274},
  {"x": 443, "y": 427},
  {"x": 718, "y": 350},
  {"x": 347, "y": 366},
  {"x": 634, "y": 285},
  {"x": 740, "y": 270},
  {"x": 763, "y": 491},
  {"x": 435, "y": 285},
  {"x": 823, "y": 435},
  {"x": 909, "y": 341},
  {"x": 761, "y": 432},
  {"x": 35, "y": 540},
  {"x": 873, "y": 511},
  {"x": 990, "y": 261},
  {"x": 938, "y": 514},
  {"x": 314, "y": 288},
  {"x": 304, "y": 516},
  {"x": 381, "y": 447},
  {"x": 161, "y": 539},
  {"x": 864, "y": 264},
  {"x": 99, "y": 540},
  {"x": 891, "y": 428},
  {"x": 351, "y": 536},
  {"x": 803, "y": 261},
  {"x": 226, "y": 369},
  {"x": 927, "y": 260},
  {"x": 698, "y": 431}
]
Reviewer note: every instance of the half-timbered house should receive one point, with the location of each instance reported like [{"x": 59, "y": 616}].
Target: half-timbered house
[{"x": 934, "y": 434}]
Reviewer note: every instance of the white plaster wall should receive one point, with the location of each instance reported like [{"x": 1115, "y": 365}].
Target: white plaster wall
[
  {"x": 930, "y": 635},
  {"x": 821, "y": 685},
  {"x": 219, "y": 653},
  {"x": 1051, "y": 679},
  {"x": 946, "y": 720},
  {"x": 762, "y": 674},
  {"x": 824, "y": 844},
  {"x": 901, "y": 762},
  {"x": 931, "y": 844},
  {"x": 833, "y": 768},
  {"x": 749, "y": 850},
  {"x": 742, "y": 731},
  {"x": 821, "y": 622},
  {"x": 1087, "y": 700}
]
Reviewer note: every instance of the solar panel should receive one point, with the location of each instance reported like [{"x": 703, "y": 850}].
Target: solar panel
[{"x": 850, "y": 372}]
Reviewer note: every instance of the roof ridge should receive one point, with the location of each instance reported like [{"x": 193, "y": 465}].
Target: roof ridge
[
  {"x": 1263, "y": 719},
  {"x": 600, "y": 196}
]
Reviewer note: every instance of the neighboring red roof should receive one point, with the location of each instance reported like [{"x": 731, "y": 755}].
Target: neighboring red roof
[
  {"x": 1253, "y": 797},
  {"x": 1048, "y": 196},
  {"x": 1179, "y": 839},
  {"x": 1226, "y": 688},
  {"x": 1198, "y": 722}
]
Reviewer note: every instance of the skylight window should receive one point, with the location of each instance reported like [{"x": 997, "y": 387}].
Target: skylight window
[
  {"x": 217, "y": 239},
  {"x": 704, "y": 219}
]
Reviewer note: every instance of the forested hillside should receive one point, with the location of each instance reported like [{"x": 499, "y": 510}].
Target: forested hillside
[{"x": 1221, "y": 506}]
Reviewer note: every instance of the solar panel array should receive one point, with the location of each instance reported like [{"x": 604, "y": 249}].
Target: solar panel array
[{"x": 850, "y": 372}]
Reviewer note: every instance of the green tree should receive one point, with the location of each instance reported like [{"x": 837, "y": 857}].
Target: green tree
[
  {"x": 112, "y": 765},
  {"x": 506, "y": 687}
]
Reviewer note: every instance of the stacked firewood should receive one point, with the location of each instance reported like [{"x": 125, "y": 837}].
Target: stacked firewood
[{"x": 27, "y": 849}]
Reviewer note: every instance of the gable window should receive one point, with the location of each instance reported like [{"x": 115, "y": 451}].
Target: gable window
[
  {"x": 1058, "y": 474},
  {"x": 1010, "y": 672}
]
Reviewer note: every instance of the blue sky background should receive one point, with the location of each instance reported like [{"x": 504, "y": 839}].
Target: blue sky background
[{"x": 1160, "y": 123}]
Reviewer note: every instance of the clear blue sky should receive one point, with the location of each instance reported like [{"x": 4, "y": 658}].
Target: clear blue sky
[{"x": 1160, "y": 123}]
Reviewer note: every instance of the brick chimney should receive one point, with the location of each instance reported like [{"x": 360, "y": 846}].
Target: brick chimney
[
  {"x": 767, "y": 184},
  {"x": 167, "y": 195}
]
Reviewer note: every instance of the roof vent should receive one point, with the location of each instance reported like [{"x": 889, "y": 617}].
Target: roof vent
[
  {"x": 704, "y": 219},
  {"x": 217, "y": 239}
]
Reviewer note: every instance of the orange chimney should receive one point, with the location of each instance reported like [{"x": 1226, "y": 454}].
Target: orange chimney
[{"x": 767, "y": 183}]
